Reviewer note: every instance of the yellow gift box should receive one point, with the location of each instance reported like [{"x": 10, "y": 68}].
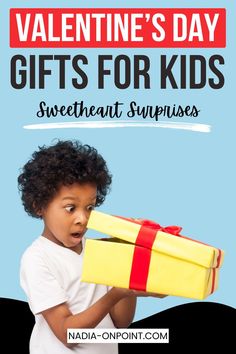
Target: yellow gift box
[{"x": 148, "y": 259}]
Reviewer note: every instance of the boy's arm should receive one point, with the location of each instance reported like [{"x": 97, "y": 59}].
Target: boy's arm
[
  {"x": 122, "y": 313},
  {"x": 60, "y": 318},
  {"x": 120, "y": 303}
]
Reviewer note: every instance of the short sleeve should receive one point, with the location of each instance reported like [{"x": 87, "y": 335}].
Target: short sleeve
[{"x": 41, "y": 287}]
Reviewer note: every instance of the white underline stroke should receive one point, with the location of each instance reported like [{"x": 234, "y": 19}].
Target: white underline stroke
[{"x": 196, "y": 127}]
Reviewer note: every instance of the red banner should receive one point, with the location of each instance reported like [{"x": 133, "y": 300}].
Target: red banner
[{"x": 117, "y": 28}]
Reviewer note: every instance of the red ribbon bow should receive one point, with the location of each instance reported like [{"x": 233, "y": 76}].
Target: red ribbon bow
[{"x": 173, "y": 229}]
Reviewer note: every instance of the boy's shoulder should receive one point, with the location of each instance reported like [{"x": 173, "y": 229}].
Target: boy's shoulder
[{"x": 35, "y": 250}]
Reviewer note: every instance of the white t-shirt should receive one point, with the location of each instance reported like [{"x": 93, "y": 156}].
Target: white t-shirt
[{"x": 50, "y": 275}]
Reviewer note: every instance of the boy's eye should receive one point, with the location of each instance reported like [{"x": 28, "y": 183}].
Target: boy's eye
[
  {"x": 90, "y": 207},
  {"x": 70, "y": 208}
]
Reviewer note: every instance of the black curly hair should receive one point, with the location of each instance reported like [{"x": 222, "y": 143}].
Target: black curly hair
[{"x": 63, "y": 163}]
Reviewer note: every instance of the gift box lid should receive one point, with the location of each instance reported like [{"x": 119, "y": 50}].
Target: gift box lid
[{"x": 163, "y": 242}]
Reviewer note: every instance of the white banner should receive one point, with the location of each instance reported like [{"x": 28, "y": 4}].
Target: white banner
[{"x": 122, "y": 335}]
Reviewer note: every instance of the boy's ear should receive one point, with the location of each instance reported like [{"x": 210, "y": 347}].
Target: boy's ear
[{"x": 38, "y": 212}]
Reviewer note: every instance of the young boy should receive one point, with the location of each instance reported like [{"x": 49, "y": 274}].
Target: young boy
[{"x": 61, "y": 184}]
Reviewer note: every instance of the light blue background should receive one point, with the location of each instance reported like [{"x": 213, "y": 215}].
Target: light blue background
[{"x": 171, "y": 176}]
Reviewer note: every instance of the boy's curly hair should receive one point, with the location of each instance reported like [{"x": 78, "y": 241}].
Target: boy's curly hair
[{"x": 64, "y": 163}]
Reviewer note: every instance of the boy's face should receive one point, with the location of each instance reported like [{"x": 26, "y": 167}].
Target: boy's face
[{"x": 66, "y": 216}]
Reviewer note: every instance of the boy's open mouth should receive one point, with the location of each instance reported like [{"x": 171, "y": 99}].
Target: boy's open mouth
[{"x": 76, "y": 234}]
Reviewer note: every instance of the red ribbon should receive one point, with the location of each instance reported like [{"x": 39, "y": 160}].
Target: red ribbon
[
  {"x": 142, "y": 251},
  {"x": 213, "y": 285}
]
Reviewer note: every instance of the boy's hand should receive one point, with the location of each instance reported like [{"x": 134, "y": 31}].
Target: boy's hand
[
  {"x": 129, "y": 292},
  {"x": 146, "y": 294}
]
